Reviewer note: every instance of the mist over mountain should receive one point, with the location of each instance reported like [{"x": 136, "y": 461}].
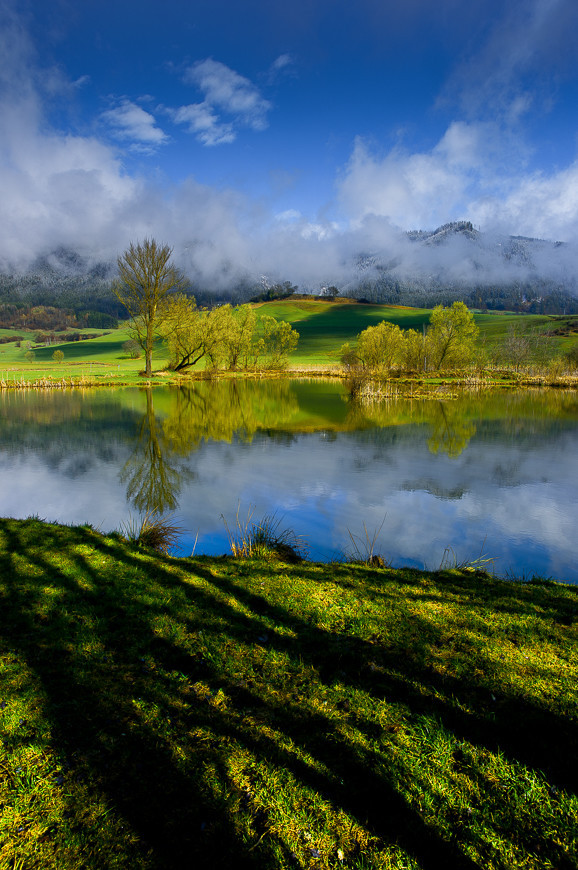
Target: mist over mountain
[{"x": 376, "y": 262}]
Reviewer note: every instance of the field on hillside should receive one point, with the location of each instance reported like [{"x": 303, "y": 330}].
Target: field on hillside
[
  {"x": 323, "y": 328},
  {"x": 95, "y": 359}
]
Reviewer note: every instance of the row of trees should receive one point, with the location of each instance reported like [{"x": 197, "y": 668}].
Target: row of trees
[
  {"x": 448, "y": 343},
  {"x": 225, "y": 337},
  {"x": 152, "y": 290}
]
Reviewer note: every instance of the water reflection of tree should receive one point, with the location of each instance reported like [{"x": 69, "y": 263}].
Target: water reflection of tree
[
  {"x": 451, "y": 425},
  {"x": 217, "y": 410},
  {"x": 152, "y": 476},
  {"x": 221, "y": 410},
  {"x": 451, "y": 430}
]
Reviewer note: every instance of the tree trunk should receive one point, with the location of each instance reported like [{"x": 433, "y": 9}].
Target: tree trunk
[{"x": 149, "y": 352}]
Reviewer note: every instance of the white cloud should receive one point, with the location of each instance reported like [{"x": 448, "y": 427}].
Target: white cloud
[
  {"x": 282, "y": 62},
  {"x": 72, "y": 190},
  {"x": 472, "y": 173},
  {"x": 226, "y": 93},
  {"x": 412, "y": 190},
  {"x": 129, "y": 121},
  {"x": 539, "y": 205},
  {"x": 282, "y": 66},
  {"x": 530, "y": 41},
  {"x": 205, "y": 124}
]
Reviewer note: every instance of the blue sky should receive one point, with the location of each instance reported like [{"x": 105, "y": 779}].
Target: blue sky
[{"x": 277, "y": 136}]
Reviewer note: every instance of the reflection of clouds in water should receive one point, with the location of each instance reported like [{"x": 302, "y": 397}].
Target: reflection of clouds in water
[
  {"x": 519, "y": 498},
  {"x": 30, "y": 486},
  {"x": 322, "y": 488}
]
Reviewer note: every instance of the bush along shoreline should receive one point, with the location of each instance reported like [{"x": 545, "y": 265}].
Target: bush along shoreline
[{"x": 222, "y": 712}]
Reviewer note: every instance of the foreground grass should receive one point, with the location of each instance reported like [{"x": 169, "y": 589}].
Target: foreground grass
[{"x": 160, "y": 712}]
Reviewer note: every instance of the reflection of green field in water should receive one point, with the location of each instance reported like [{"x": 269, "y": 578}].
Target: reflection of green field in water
[
  {"x": 164, "y": 425},
  {"x": 222, "y": 409}
]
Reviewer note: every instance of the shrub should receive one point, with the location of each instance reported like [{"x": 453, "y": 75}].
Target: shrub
[
  {"x": 154, "y": 531},
  {"x": 264, "y": 539},
  {"x": 132, "y": 348}
]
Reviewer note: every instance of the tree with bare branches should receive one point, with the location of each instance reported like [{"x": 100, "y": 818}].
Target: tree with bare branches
[{"x": 146, "y": 277}]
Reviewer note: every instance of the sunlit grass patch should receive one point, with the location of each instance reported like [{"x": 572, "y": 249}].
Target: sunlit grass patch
[{"x": 242, "y": 713}]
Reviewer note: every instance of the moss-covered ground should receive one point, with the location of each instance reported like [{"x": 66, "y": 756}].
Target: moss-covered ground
[{"x": 210, "y": 712}]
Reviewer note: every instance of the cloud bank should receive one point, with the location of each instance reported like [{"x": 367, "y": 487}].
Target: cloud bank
[{"x": 72, "y": 189}]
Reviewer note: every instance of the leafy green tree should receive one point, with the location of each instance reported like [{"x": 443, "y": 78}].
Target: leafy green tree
[
  {"x": 193, "y": 334},
  {"x": 146, "y": 278},
  {"x": 417, "y": 351},
  {"x": 183, "y": 328},
  {"x": 219, "y": 332},
  {"x": 280, "y": 339},
  {"x": 452, "y": 334},
  {"x": 225, "y": 337},
  {"x": 380, "y": 347},
  {"x": 133, "y": 348},
  {"x": 58, "y": 356},
  {"x": 348, "y": 356},
  {"x": 243, "y": 346}
]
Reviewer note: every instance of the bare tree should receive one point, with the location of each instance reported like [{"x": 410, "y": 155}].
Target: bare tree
[{"x": 146, "y": 277}]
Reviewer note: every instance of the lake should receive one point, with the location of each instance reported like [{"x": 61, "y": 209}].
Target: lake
[{"x": 488, "y": 475}]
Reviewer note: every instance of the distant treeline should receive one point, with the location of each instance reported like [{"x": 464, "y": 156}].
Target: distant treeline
[
  {"x": 52, "y": 318},
  {"x": 88, "y": 298},
  {"x": 537, "y": 297}
]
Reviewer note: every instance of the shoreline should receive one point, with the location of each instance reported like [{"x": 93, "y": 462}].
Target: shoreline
[{"x": 375, "y": 384}]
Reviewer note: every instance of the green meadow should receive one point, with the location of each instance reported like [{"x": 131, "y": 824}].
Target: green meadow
[
  {"x": 323, "y": 328},
  {"x": 211, "y": 712}
]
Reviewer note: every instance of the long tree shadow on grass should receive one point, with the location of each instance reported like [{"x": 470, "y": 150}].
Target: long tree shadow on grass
[
  {"x": 403, "y": 669},
  {"x": 122, "y": 706},
  {"x": 175, "y": 810}
]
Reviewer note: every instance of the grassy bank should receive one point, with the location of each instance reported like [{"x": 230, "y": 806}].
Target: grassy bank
[{"x": 160, "y": 712}]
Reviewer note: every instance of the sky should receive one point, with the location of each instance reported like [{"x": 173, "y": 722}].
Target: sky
[{"x": 278, "y": 137}]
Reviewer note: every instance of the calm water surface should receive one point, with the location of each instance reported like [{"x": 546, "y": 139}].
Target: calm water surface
[{"x": 491, "y": 475}]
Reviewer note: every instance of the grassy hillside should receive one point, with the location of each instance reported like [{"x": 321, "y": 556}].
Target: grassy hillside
[
  {"x": 95, "y": 359},
  {"x": 324, "y": 326},
  {"x": 160, "y": 712}
]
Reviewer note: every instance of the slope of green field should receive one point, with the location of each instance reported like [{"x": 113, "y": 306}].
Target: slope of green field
[
  {"x": 258, "y": 715},
  {"x": 101, "y": 358},
  {"x": 323, "y": 328}
]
